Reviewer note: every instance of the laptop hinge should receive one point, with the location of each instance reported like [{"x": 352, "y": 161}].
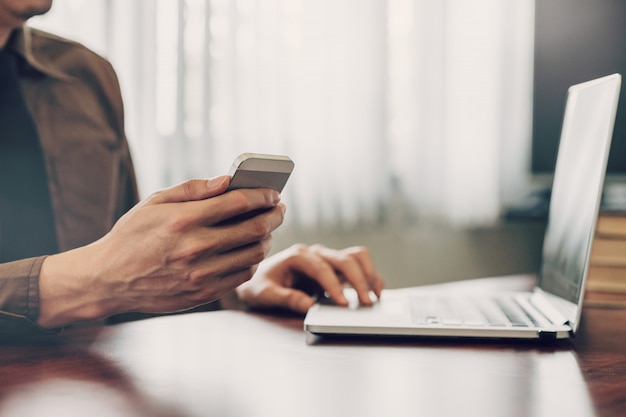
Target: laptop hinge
[{"x": 547, "y": 335}]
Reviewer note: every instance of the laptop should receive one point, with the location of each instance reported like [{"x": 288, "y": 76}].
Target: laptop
[{"x": 552, "y": 310}]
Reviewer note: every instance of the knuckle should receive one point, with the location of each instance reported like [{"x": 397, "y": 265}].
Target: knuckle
[
  {"x": 258, "y": 253},
  {"x": 177, "y": 224},
  {"x": 267, "y": 244},
  {"x": 195, "y": 277},
  {"x": 240, "y": 201},
  {"x": 261, "y": 228},
  {"x": 156, "y": 195},
  {"x": 299, "y": 249},
  {"x": 281, "y": 212},
  {"x": 210, "y": 246},
  {"x": 317, "y": 247},
  {"x": 175, "y": 258},
  {"x": 184, "y": 252},
  {"x": 358, "y": 251},
  {"x": 191, "y": 251},
  {"x": 189, "y": 189},
  {"x": 198, "y": 276},
  {"x": 247, "y": 274}
]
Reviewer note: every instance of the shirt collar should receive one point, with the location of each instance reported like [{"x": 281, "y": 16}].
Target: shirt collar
[{"x": 21, "y": 42}]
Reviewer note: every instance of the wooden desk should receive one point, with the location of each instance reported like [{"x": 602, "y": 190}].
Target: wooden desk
[{"x": 232, "y": 363}]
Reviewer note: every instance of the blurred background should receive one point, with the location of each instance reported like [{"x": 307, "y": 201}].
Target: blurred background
[{"x": 410, "y": 121}]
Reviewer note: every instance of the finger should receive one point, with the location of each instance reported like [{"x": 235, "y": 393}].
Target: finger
[
  {"x": 350, "y": 268},
  {"x": 214, "y": 211},
  {"x": 191, "y": 190},
  {"x": 229, "y": 238},
  {"x": 230, "y": 262},
  {"x": 315, "y": 267},
  {"x": 230, "y": 281},
  {"x": 363, "y": 256},
  {"x": 239, "y": 202}
]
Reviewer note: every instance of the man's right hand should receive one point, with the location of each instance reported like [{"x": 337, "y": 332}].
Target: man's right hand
[{"x": 171, "y": 252}]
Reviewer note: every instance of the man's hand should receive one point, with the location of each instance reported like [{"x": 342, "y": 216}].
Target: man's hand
[
  {"x": 171, "y": 252},
  {"x": 278, "y": 281}
]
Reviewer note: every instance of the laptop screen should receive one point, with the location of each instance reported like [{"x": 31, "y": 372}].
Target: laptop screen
[{"x": 577, "y": 186}]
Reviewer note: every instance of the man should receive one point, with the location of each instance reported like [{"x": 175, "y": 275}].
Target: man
[{"x": 74, "y": 246}]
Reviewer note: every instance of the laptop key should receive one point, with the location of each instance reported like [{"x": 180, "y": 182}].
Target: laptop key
[{"x": 514, "y": 313}]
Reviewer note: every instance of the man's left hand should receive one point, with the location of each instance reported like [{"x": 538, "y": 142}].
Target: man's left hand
[{"x": 281, "y": 278}]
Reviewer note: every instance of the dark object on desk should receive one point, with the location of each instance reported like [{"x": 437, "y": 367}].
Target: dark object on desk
[{"x": 534, "y": 207}]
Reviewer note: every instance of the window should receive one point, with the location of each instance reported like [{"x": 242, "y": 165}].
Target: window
[{"x": 392, "y": 110}]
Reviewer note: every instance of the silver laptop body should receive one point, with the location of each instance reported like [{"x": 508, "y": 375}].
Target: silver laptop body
[{"x": 552, "y": 310}]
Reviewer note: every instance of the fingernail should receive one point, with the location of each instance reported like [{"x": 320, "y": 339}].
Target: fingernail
[{"x": 275, "y": 197}]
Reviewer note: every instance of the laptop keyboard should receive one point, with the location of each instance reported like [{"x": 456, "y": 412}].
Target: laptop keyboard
[{"x": 478, "y": 312}]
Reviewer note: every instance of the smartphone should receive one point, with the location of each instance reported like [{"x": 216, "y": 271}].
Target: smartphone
[{"x": 256, "y": 170}]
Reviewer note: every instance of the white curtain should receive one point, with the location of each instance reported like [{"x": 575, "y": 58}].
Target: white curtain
[
  {"x": 393, "y": 110},
  {"x": 460, "y": 105}
]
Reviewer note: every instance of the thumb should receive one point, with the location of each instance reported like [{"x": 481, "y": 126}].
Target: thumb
[{"x": 192, "y": 190}]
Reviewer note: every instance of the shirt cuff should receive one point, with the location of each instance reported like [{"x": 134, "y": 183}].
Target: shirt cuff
[{"x": 19, "y": 296}]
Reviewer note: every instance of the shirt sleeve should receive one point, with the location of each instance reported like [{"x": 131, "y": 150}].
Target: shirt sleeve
[{"x": 19, "y": 297}]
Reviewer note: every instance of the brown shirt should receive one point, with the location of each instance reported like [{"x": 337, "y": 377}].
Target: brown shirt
[{"x": 75, "y": 100}]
